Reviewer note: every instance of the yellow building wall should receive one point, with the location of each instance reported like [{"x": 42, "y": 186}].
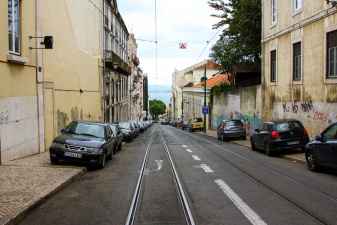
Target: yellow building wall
[
  {"x": 313, "y": 100},
  {"x": 72, "y": 76},
  {"x": 19, "y": 128}
]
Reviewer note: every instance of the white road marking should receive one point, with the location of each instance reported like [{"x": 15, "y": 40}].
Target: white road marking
[
  {"x": 242, "y": 206},
  {"x": 188, "y": 150},
  {"x": 159, "y": 164},
  {"x": 184, "y": 146},
  {"x": 195, "y": 157},
  {"x": 206, "y": 168}
]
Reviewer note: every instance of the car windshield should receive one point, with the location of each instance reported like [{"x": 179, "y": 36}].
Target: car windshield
[
  {"x": 125, "y": 125},
  {"x": 233, "y": 123},
  {"x": 286, "y": 126},
  {"x": 94, "y": 130},
  {"x": 197, "y": 120}
]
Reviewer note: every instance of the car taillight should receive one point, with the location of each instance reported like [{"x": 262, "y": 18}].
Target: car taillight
[
  {"x": 224, "y": 127},
  {"x": 243, "y": 126},
  {"x": 305, "y": 132},
  {"x": 275, "y": 134}
]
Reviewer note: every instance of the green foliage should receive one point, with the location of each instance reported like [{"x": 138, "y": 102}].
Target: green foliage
[
  {"x": 157, "y": 107},
  {"x": 240, "y": 41},
  {"x": 218, "y": 89}
]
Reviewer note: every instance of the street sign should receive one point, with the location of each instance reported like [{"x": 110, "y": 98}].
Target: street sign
[
  {"x": 205, "y": 110},
  {"x": 182, "y": 45}
]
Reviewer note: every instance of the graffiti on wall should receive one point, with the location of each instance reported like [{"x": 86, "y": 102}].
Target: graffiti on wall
[{"x": 4, "y": 117}]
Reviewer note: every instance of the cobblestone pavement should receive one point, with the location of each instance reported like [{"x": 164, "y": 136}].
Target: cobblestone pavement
[{"x": 25, "y": 183}]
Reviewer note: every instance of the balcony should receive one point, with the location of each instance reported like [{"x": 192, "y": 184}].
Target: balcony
[{"x": 111, "y": 58}]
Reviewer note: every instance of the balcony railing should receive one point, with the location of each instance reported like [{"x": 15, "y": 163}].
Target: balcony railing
[{"x": 111, "y": 58}]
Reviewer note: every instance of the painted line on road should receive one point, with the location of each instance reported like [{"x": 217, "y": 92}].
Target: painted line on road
[
  {"x": 188, "y": 150},
  {"x": 242, "y": 206},
  {"x": 184, "y": 146},
  {"x": 206, "y": 168},
  {"x": 195, "y": 157}
]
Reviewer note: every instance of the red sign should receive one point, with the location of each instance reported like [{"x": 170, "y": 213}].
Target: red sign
[{"x": 182, "y": 45}]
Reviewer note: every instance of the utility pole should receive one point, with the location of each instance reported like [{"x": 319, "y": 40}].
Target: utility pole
[{"x": 205, "y": 97}]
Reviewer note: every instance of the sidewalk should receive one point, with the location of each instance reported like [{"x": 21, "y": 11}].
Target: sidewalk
[{"x": 26, "y": 183}]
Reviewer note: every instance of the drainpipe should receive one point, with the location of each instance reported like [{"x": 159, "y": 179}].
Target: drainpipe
[
  {"x": 103, "y": 61},
  {"x": 39, "y": 78}
]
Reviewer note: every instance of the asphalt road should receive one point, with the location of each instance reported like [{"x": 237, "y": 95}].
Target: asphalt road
[{"x": 224, "y": 183}]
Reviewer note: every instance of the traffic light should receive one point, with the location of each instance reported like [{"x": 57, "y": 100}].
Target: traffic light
[{"x": 48, "y": 42}]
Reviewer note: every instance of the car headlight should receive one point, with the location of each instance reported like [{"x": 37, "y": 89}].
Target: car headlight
[
  {"x": 57, "y": 145},
  {"x": 94, "y": 150}
]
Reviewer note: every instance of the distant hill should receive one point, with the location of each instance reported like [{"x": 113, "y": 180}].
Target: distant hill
[{"x": 159, "y": 88}]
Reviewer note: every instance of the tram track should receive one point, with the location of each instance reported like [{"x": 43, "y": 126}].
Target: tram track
[
  {"x": 136, "y": 200},
  {"x": 207, "y": 145}
]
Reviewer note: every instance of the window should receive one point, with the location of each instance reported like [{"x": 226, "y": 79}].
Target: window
[
  {"x": 332, "y": 54},
  {"x": 273, "y": 66},
  {"x": 14, "y": 26},
  {"x": 297, "y": 4},
  {"x": 297, "y": 65},
  {"x": 273, "y": 11}
]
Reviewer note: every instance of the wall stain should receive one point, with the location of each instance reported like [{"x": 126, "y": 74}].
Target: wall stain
[{"x": 62, "y": 120}]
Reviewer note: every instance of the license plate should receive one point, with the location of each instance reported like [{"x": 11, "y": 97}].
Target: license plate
[
  {"x": 293, "y": 142},
  {"x": 71, "y": 154},
  {"x": 235, "y": 129}
]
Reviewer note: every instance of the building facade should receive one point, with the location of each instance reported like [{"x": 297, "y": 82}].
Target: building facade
[
  {"x": 299, "y": 71},
  {"x": 84, "y": 74}
]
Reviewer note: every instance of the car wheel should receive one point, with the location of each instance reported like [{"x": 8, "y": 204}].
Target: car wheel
[
  {"x": 110, "y": 156},
  {"x": 253, "y": 146},
  {"x": 312, "y": 164},
  {"x": 268, "y": 151},
  {"x": 302, "y": 149},
  {"x": 223, "y": 138},
  {"x": 219, "y": 138},
  {"x": 54, "y": 160},
  {"x": 102, "y": 164}
]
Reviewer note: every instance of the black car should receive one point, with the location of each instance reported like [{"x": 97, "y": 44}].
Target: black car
[
  {"x": 231, "y": 129},
  {"x": 142, "y": 126},
  {"x": 128, "y": 131},
  {"x": 322, "y": 151},
  {"x": 276, "y": 135},
  {"x": 136, "y": 126},
  {"x": 83, "y": 141},
  {"x": 117, "y": 131}
]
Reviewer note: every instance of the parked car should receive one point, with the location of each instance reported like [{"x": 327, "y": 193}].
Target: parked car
[
  {"x": 117, "y": 131},
  {"x": 136, "y": 126},
  {"x": 274, "y": 136},
  {"x": 184, "y": 125},
  {"x": 231, "y": 129},
  {"x": 196, "y": 124},
  {"x": 163, "y": 122},
  {"x": 84, "y": 141},
  {"x": 141, "y": 126},
  {"x": 128, "y": 131},
  {"x": 322, "y": 151}
]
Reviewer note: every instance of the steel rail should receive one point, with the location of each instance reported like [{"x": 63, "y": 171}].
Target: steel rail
[{"x": 187, "y": 210}]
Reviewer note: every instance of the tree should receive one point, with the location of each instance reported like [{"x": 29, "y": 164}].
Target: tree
[
  {"x": 157, "y": 107},
  {"x": 240, "y": 41}
]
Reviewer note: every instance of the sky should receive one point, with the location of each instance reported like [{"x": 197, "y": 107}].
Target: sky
[{"x": 172, "y": 22}]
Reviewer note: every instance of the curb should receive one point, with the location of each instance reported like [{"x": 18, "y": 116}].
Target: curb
[{"x": 19, "y": 214}]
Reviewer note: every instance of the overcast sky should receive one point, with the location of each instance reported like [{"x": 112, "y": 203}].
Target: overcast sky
[{"x": 178, "y": 21}]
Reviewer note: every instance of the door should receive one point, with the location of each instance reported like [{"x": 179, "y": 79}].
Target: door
[
  {"x": 260, "y": 135},
  {"x": 326, "y": 149}
]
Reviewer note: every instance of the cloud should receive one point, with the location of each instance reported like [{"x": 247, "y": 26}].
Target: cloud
[{"x": 187, "y": 21}]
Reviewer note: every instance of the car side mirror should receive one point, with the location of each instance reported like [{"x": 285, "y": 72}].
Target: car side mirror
[
  {"x": 257, "y": 130},
  {"x": 62, "y": 130},
  {"x": 318, "y": 137}
]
